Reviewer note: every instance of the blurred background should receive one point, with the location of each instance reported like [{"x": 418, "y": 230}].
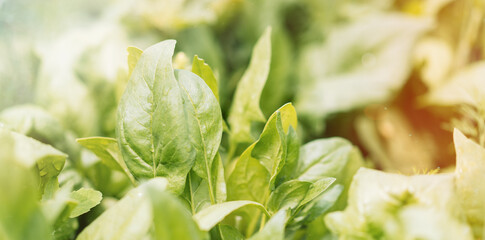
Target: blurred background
[{"x": 393, "y": 76}]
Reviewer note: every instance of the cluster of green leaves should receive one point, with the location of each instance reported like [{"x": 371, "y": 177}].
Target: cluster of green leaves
[
  {"x": 170, "y": 125},
  {"x": 184, "y": 183},
  {"x": 188, "y": 151}
]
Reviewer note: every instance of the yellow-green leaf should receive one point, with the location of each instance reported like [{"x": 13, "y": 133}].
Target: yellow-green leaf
[
  {"x": 204, "y": 71},
  {"x": 245, "y": 107}
]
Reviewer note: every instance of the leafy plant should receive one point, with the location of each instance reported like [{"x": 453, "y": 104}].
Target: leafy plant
[
  {"x": 170, "y": 125},
  {"x": 167, "y": 146}
]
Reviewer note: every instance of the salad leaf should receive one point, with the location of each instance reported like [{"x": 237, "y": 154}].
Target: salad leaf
[
  {"x": 209, "y": 217},
  {"x": 271, "y": 148},
  {"x": 295, "y": 193},
  {"x": 171, "y": 218},
  {"x": 274, "y": 229},
  {"x": 134, "y": 55},
  {"x": 86, "y": 198},
  {"x": 204, "y": 71},
  {"x": 33, "y": 154},
  {"x": 256, "y": 169},
  {"x": 130, "y": 218},
  {"x": 249, "y": 179},
  {"x": 34, "y": 121},
  {"x": 245, "y": 107},
  {"x": 109, "y": 153},
  {"x": 332, "y": 157},
  {"x": 227, "y": 232},
  {"x": 20, "y": 213},
  {"x": 168, "y": 121}
]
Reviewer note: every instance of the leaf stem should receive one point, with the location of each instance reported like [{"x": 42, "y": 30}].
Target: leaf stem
[
  {"x": 263, "y": 221},
  {"x": 252, "y": 225},
  {"x": 191, "y": 194}
]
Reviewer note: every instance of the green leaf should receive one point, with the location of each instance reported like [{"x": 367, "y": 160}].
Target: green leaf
[
  {"x": 274, "y": 229},
  {"x": 20, "y": 213},
  {"x": 207, "y": 132},
  {"x": 271, "y": 147},
  {"x": 134, "y": 55},
  {"x": 295, "y": 193},
  {"x": 129, "y": 218},
  {"x": 167, "y": 121},
  {"x": 171, "y": 218},
  {"x": 245, "y": 107},
  {"x": 67, "y": 230},
  {"x": 35, "y": 122},
  {"x": 204, "y": 71},
  {"x": 288, "y": 195},
  {"x": 211, "y": 216},
  {"x": 87, "y": 198},
  {"x": 249, "y": 180},
  {"x": 32, "y": 153},
  {"x": 320, "y": 206},
  {"x": 197, "y": 192},
  {"x": 220, "y": 191},
  {"x": 108, "y": 152},
  {"x": 332, "y": 157},
  {"x": 322, "y": 158},
  {"x": 255, "y": 171},
  {"x": 292, "y": 153},
  {"x": 470, "y": 165},
  {"x": 57, "y": 210},
  {"x": 316, "y": 189},
  {"x": 228, "y": 232}
]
